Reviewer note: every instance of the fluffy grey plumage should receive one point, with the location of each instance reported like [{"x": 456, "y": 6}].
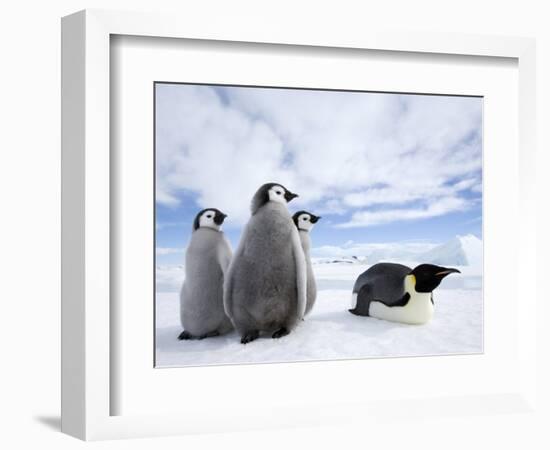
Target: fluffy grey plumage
[
  {"x": 201, "y": 298},
  {"x": 311, "y": 293},
  {"x": 265, "y": 288},
  {"x": 304, "y": 222}
]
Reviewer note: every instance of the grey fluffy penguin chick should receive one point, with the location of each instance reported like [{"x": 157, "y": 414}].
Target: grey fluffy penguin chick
[
  {"x": 265, "y": 289},
  {"x": 206, "y": 261},
  {"x": 304, "y": 222}
]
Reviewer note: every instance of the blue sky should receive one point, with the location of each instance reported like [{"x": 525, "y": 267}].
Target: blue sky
[{"x": 379, "y": 168}]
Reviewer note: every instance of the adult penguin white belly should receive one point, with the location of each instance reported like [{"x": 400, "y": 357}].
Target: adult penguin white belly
[{"x": 265, "y": 289}]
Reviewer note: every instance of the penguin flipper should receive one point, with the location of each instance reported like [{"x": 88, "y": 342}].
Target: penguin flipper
[
  {"x": 228, "y": 292},
  {"x": 364, "y": 298},
  {"x": 225, "y": 255},
  {"x": 301, "y": 272},
  {"x": 228, "y": 277}
]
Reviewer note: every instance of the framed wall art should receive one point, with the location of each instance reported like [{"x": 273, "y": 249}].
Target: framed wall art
[{"x": 259, "y": 216}]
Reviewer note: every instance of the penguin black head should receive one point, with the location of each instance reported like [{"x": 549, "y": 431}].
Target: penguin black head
[
  {"x": 271, "y": 192},
  {"x": 428, "y": 276},
  {"x": 209, "y": 218},
  {"x": 305, "y": 220}
]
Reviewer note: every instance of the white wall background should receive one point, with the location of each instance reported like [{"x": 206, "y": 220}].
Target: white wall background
[{"x": 29, "y": 225}]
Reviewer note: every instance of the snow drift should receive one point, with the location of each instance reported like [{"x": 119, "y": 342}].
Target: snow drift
[{"x": 460, "y": 251}]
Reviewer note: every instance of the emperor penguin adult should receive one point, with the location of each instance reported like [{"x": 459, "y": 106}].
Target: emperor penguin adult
[
  {"x": 304, "y": 222},
  {"x": 265, "y": 290},
  {"x": 206, "y": 261},
  {"x": 398, "y": 293}
]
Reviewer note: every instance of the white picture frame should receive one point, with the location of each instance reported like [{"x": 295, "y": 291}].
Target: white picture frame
[{"x": 87, "y": 384}]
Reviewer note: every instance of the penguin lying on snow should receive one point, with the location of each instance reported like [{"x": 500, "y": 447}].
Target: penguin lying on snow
[
  {"x": 398, "y": 293},
  {"x": 265, "y": 289},
  {"x": 305, "y": 221},
  {"x": 201, "y": 298}
]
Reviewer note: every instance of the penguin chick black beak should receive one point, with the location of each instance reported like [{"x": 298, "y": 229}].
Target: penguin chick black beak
[
  {"x": 219, "y": 218},
  {"x": 289, "y": 196},
  {"x": 314, "y": 219}
]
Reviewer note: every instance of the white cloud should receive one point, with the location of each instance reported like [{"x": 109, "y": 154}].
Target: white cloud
[
  {"x": 396, "y": 195},
  {"x": 438, "y": 208},
  {"x": 216, "y": 152},
  {"x": 168, "y": 250},
  {"x": 341, "y": 152}
]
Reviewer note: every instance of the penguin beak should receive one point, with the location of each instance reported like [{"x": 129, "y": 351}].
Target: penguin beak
[
  {"x": 314, "y": 219},
  {"x": 219, "y": 218},
  {"x": 443, "y": 273},
  {"x": 289, "y": 196}
]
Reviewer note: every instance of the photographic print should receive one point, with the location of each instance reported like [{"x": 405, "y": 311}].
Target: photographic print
[{"x": 309, "y": 224}]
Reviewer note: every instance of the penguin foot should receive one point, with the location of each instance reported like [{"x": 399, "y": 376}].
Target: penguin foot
[
  {"x": 210, "y": 334},
  {"x": 280, "y": 333},
  {"x": 185, "y": 336},
  {"x": 250, "y": 336}
]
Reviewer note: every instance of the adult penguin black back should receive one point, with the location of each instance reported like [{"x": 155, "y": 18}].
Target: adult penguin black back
[
  {"x": 265, "y": 290},
  {"x": 398, "y": 293}
]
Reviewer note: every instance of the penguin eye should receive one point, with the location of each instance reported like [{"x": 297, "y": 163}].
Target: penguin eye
[
  {"x": 306, "y": 218},
  {"x": 209, "y": 216},
  {"x": 278, "y": 192}
]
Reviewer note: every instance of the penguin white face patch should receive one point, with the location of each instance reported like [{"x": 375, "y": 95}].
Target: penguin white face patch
[
  {"x": 277, "y": 194},
  {"x": 304, "y": 222},
  {"x": 207, "y": 220}
]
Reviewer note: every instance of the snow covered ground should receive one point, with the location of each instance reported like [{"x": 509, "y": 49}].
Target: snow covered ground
[{"x": 331, "y": 332}]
